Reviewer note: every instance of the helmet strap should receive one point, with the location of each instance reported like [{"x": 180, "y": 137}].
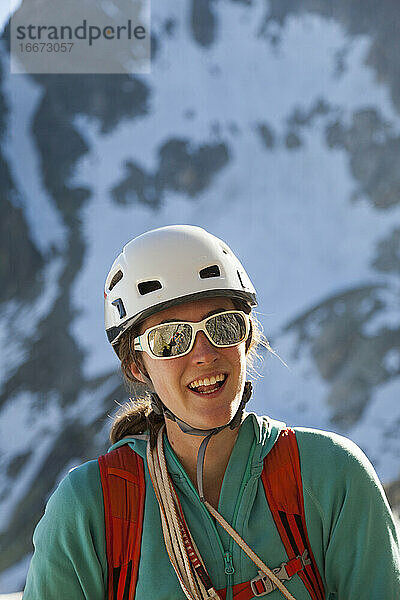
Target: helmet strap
[{"x": 160, "y": 409}]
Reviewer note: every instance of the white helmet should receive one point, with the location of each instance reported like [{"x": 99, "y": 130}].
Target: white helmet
[{"x": 167, "y": 266}]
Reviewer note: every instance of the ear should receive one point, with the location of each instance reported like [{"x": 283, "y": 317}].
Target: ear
[{"x": 137, "y": 373}]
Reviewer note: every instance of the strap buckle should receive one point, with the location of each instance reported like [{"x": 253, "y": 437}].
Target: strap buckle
[
  {"x": 305, "y": 559},
  {"x": 261, "y": 585}
]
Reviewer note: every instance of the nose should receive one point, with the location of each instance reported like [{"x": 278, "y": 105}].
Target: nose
[{"x": 203, "y": 352}]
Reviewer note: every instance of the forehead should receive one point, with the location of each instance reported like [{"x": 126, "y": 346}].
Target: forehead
[{"x": 188, "y": 311}]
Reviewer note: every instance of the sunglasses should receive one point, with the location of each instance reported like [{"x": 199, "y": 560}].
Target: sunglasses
[{"x": 171, "y": 340}]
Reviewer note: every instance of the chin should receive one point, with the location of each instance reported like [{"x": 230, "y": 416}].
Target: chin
[{"x": 215, "y": 418}]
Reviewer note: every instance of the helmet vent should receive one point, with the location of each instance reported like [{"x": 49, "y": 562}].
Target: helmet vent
[
  {"x": 145, "y": 287},
  {"x": 117, "y": 277},
  {"x": 208, "y": 272}
]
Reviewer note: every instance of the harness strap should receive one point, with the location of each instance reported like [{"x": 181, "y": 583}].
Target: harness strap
[
  {"x": 262, "y": 585},
  {"x": 281, "y": 477},
  {"x": 122, "y": 479},
  {"x": 122, "y": 476}
]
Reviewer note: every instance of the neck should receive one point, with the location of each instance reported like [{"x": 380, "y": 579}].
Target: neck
[{"x": 218, "y": 452}]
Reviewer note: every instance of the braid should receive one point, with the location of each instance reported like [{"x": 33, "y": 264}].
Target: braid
[{"x": 136, "y": 417}]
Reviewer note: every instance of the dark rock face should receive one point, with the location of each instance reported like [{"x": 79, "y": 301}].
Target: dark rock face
[
  {"x": 303, "y": 118},
  {"x": 52, "y": 371},
  {"x": 292, "y": 141},
  {"x": 373, "y": 151},
  {"x": 106, "y": 99},
  {"x": 387, "y": 259},
  {"x": 181, "y": 168},
  {"x": 203, "y": 22},
  {"x": 20, "y": 261},
  {"x": 266, "y": 134},
  {"x": 346, "y": 356}
]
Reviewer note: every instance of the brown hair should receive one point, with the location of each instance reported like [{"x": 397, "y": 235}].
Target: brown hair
[{"x": 137, "y": 415}]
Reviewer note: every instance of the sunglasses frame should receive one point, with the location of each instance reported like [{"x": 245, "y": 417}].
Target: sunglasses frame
[{"x": 141, "y": 343}]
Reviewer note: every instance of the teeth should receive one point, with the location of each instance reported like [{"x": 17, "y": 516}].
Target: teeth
[
  {"x": 207, "y": 381},
  {"x": 210, "y": 391}
]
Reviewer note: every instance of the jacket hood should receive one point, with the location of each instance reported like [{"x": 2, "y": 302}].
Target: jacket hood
[{"x": 266, "y": 432}]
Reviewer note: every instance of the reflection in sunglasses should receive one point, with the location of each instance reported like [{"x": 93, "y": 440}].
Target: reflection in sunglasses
[{"x": 169, "y": 340}]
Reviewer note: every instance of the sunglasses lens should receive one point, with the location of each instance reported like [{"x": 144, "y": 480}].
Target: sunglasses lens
[
  {"x": 173, "y": 339},
  {"x": 170, "y": 339},
  {"x": 227, "y": 329}
]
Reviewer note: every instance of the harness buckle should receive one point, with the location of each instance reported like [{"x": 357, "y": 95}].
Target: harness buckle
[
  {"x": 281, "y": 572},
  {"x": 305, "y": 560},
  {"x": 261, "y": 585}
]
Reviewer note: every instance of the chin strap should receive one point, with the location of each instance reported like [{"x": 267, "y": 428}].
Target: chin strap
[{"x": 160, "y": 409}]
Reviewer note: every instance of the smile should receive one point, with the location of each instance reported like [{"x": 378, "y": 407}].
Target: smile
[{"x": 208, "y": 385}]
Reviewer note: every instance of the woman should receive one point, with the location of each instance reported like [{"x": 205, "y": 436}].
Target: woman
[{"x": 158, "y": 516}]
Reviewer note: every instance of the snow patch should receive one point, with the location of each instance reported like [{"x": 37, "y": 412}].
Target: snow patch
[
  {"x": 23, "y": 96},
  {"x": 32, "y": 427},
  {"x": 294, "y": 394},
  {"x": 89, "y": 405},
  {"x": 391, "y": 360},
  {"x": 19, "y": 321}
]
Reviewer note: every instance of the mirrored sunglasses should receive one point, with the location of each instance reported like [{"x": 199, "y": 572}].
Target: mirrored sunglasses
[{"x": 171, "y": 340}]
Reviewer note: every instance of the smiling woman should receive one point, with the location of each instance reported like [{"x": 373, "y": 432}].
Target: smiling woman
[
  {"x": 137, "y": 416},
  {"x": 195, "y": 497}
]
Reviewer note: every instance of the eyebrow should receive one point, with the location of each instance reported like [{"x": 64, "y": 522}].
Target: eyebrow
[{"x": 216, "y": 311}]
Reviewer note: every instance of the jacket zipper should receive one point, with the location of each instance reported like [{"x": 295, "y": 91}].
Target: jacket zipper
[
  {"x": 246, "y": 477},
  {"x": 229, "y": 568},
  {"x": 229, "y": 571}
]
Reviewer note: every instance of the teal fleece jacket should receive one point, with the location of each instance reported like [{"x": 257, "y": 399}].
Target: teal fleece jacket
[{"x": 349, "y": 523}]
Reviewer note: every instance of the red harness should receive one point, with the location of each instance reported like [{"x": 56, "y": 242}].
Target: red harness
[{"x": 122, "y": 477}]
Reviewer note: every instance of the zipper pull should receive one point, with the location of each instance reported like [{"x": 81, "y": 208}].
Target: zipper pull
[{"x": 229, "y": 568}]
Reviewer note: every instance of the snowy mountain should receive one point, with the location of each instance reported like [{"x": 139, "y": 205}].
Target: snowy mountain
[{"x": 276, "y": 126}]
